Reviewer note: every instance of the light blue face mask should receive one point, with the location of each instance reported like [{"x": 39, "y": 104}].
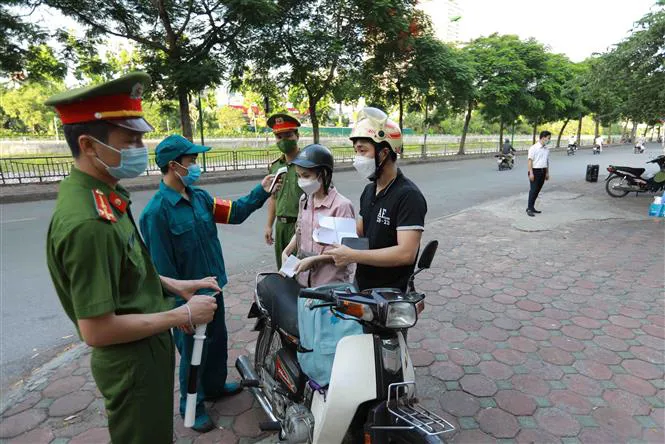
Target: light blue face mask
[
  {"x": 193, "y": 174},
  {"x": 133, "y": 161}
]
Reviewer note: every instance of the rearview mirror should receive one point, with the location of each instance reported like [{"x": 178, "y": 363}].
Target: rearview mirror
[{"x": 427, "y": 256}]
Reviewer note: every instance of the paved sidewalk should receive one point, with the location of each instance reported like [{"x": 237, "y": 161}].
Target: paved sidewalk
[{"x": 546, "y": 329}]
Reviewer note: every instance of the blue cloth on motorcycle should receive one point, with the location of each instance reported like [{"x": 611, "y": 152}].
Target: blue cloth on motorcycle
[{"x": 320, "y": 331}]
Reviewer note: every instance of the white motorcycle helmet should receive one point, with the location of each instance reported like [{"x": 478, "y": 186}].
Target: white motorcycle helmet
[{"x": 374, "y": 124}]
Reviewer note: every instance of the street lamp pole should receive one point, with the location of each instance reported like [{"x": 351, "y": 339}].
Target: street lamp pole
[{"x": 201, "y": 129}]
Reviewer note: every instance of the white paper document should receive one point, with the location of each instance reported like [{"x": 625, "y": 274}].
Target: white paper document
[
  {"x": 289, "y": 267},
  {"x": 333, "y": 229}
]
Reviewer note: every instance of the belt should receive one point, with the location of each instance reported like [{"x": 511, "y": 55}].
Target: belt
[{"x": 286, "y": 219}]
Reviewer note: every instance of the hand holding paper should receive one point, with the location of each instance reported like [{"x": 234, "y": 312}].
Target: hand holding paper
[
  {"x": 289, "y": 266},
  {"x": 333, "y": 229}
]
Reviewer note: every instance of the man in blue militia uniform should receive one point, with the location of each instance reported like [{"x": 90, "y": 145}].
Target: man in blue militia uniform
[{"x": 178, "y": 226}]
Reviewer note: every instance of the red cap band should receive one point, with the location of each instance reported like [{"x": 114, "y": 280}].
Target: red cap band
[
  {"x": 283, "y": 127},
  {"x": 119, "y": 106}
]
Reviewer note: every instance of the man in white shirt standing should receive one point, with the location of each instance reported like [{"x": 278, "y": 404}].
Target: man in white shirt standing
[
  {"x": 539, "y": 172},
  {"x": 599, "y": 142}
]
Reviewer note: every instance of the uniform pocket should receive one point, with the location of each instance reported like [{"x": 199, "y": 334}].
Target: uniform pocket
[
  {"x": 184, "y": 235},
  {"x": 134, "y": 272}
]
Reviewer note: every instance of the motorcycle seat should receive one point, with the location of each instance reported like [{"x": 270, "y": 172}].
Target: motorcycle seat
[
  {"x": 634, "y": 171},
  {"x": 279, "y": 297}
]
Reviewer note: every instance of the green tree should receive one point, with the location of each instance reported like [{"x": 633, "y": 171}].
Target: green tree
[
  {"x": 26, "y": 103},
  {"x": 545, "y": 101},
  {"x": 440, "y": 80},
  {"x": 185, "y": 45},
  {"x": 17, "y": 37},
  {"x": 230, "y": 119},
  {"x": 312, "y": 39},
  {"x": 392, "y": 47},
  {"x": 501, "y": 77}
]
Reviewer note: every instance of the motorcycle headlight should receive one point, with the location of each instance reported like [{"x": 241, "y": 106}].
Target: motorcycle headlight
[{"x": 401, "y": 315}]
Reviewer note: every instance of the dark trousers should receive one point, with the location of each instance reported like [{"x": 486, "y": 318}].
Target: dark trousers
[{"x": 536, "y": 186}]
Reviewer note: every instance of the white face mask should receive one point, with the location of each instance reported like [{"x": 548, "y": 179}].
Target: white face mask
[
  {"x": 365, "y": 166},
  {"x": 309, "y": 186}
]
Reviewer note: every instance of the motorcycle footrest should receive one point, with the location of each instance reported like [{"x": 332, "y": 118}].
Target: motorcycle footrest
[
  {"x": 250, "y": 383},
  {"x": 270, "y": 426}
]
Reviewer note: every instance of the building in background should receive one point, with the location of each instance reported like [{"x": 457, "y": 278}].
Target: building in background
[{"x": 446, "y": 17}]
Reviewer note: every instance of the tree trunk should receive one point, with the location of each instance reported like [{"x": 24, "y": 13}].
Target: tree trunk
[
  {"x": 500, "y": 135},
  {"x": 597, "y": 128},
  {"x": 645, "y": 131},
  {"x": 625, "y": 129},
  {"x": 185, "y": 122},
  {"x": 563, "y": 128},
  {"x": 467, "y": 119},
  {"x": 400, "y": 98},
  {"x": 423, "y": 151},
  {"x": 315, "y": 119},
  {"x": 266, "y": 105},
  {"x": 535, "y": 130},
  {"x": 340, "y": 122},
  {"x": 633, "y": 132},
  {"x": 579, "y": 131}
]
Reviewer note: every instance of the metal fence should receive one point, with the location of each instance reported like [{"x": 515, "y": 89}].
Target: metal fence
[{"x": 39, "y": 169}]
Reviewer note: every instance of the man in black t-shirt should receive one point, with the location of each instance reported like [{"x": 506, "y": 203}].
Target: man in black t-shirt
[{"x": 392, "y": 208}]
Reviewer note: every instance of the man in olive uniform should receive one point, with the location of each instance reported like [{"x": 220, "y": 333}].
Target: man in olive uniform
[
  {"x": 283, "y": 206},
  {"x": 102, "y": 271}
]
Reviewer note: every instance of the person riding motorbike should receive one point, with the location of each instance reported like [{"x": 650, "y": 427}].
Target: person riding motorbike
[
  {"x": 572, "y": 142},
  {"x": 507, "y": 148}
]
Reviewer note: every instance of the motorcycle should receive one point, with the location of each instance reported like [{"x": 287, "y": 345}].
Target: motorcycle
[
  {"x": 623, "y": 180},
  {"x": 571, "y": 149},
  {"x": 371, "y": 397},
  {"x": 639, "y": 148},
  {"x": 596, "y": 149},
  {"x": 505, "y": 161}
]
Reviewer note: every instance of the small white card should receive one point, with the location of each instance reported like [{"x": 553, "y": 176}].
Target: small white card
[{"x": 289, "y": 267}]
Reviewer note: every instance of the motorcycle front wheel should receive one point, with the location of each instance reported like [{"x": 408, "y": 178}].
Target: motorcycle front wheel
[{"x": 613, "y": 182}]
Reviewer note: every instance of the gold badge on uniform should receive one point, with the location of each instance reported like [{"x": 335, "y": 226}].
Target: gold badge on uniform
[{"x": 103, "y": 206}]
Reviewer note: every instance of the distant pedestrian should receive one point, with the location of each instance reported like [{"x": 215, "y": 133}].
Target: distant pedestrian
[{"x": 539, "y": 169}]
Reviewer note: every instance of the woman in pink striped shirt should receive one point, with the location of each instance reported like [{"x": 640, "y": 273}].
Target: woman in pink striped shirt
[{"x": 314, "y": 165}]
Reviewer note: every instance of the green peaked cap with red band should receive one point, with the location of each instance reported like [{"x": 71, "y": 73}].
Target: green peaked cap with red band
[
  {"x": 117, "y": 101},
  {"x": 281, "y": 123}
]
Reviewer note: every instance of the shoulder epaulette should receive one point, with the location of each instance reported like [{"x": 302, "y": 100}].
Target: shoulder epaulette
[{"x": 103, "y": 206}]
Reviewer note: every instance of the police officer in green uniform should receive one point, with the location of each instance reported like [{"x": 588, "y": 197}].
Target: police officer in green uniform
[
  {"x": 102, "y": 271},
  {"x": 283, "y": 206}
]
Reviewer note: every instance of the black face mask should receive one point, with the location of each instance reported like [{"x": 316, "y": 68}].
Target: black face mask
[{"x": 378, "y": 165}]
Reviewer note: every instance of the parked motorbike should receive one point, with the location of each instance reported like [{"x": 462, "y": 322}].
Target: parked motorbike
[
  {"x": 371, "y": 397},
  {"x": 505, "y": 161},
  {"x": 596, "y": 149},
  {"x": 623, "y": 180},
  {"x": 571, "y": 149}
]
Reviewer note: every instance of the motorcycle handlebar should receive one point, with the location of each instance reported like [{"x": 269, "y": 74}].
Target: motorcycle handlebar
[{"x": 319, "y": 295}]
